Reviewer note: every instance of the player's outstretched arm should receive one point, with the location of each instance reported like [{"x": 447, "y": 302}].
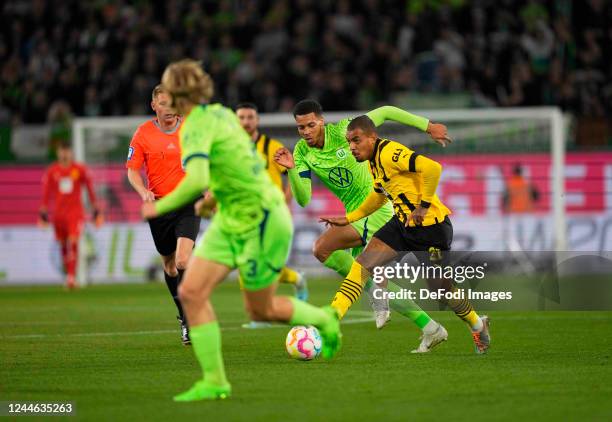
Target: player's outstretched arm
[
  {"x": 193, "y": 184},
  {"x": 300, "y": 182},
  {"x": 437, "y": 131},
  {"x": 334, "y": 221},
  {"x": 373, "y": 202}
]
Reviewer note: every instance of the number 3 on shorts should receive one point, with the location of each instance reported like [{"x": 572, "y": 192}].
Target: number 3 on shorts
[{"x": 252, "y": 268}]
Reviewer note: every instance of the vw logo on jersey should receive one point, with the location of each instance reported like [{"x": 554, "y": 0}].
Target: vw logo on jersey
[
  {"x": 340, "y": 177},
  {"x": 341, "y": 153}
]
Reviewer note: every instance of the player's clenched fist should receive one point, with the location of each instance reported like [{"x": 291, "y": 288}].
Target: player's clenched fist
[
  {"x": 284, "y": 157},
  {"x": 206, "y": 206},
  {"x": 418, "y": 215},
  {"x": 439, "y": 133}
]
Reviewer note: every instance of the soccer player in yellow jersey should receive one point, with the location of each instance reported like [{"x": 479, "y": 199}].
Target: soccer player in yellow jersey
[
  {"x": 267, "y": 147},
  {"x": 420, "y": 223}
]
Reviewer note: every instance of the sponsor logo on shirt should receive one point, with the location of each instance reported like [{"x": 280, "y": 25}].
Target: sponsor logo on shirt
[
  {"x": 341, "y": 177},
  {"x": 396, "y": 155},
  {"x": 65, "y": 185}
]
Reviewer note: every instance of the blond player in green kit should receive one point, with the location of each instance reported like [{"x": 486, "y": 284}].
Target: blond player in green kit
[{"x": 251, "y": 230}]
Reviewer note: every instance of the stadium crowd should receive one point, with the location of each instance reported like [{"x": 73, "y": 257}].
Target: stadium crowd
[{"x": 104, "y": 57}]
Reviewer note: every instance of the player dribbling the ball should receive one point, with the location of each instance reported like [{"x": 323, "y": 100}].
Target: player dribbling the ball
[{"x": 251, "y": 230}]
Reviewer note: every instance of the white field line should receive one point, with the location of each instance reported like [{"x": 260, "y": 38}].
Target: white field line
[
  {"x": 150, "y": 332},
  {"x": 35, "y": 323},
  {"x": 115, "y": 308}
]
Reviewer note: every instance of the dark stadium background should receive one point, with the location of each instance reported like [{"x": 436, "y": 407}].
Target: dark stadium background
[
  {"x": 104, "y": 57},
  {"x": 112, "y": 347}
]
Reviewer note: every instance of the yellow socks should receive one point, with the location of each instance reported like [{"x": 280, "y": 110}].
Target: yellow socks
[
  {"x": 288, "y": 276},
  {"x": 350, "y": 289},
  {"x": 464, "y": 310}
]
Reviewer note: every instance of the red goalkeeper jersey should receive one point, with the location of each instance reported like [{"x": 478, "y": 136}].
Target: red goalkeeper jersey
[{"x": 65, "y": 184}]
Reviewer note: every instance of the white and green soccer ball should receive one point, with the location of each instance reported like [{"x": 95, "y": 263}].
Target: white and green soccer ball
[{"x": 303, "y": 342}]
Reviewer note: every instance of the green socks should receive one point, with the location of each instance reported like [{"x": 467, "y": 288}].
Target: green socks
[
  {"x": 340, "y": 261},
  {"x": 307, "y": 314},
  {"x": 206, "y": 341},
  {"x": 408, "y": 308}
]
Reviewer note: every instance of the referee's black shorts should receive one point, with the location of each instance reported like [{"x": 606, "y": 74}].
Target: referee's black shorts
[
  {"x": 169, "y": 227},
  {"x": 419, "y": 239}
]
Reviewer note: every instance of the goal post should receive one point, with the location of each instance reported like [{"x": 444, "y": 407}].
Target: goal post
[
  {"x": 504, "y": 134},
  {"x": 91, "y": 139}
]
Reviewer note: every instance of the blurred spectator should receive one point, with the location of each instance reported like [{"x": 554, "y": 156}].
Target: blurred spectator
[
  {"x": 520, "y": 196},
  {"x": 102, "y": 58},
  {"x": 449, "y": 49}
]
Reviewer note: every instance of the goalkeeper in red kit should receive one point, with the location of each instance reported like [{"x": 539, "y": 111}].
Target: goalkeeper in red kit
[{"x": 64, "y": 180}]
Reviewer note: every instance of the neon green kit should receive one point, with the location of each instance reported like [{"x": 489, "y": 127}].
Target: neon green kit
[
  {"x": 252, "y": 228},
  {"x": 349, "y": 180}
]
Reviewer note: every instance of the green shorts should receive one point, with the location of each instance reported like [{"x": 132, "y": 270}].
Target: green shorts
[
  {"x": 259, "y": 255},
  {"x": 366, "y": 227}
]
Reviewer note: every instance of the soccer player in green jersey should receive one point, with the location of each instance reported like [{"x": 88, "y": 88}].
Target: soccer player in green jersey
[
  {"x": 323, "y": 150},
  {"x": 251, "y": 230}
]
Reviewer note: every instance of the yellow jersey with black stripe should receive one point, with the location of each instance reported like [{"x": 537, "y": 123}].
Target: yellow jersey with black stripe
[
  {"x": 407, "y": 179},
  {"x": 267, "y": 147}
]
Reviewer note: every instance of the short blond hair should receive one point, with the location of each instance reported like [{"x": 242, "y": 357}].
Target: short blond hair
[
  {"x": 159, "y": 89},
  {"x": 187, "y": 84}
]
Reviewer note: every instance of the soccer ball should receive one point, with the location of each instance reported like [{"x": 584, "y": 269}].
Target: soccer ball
[{"x": 303, "y": 343}]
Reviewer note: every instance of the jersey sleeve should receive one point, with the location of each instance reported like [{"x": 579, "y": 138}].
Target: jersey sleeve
[
  {"x": 196, "y": 180},
  {"x": 300, "y": 176},
  {"x": 373, "y": 202},
  {"x": 196, "y": 141},
  {"x": 301, "y": 164},
  {"x": 430, "y": 172},
  {"x": 385, "y": 113},
  {"x": 396, "y": 157},
  {"x": 402, "y": 159},
  {"x": 339, "y": 128},
  {"x": 135, "y": 157}
]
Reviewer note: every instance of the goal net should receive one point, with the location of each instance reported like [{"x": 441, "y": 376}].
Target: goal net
[{"x": 495, "y": 153}]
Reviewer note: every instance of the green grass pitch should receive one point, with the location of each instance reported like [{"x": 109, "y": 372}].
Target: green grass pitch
[{"x": 115, "y": 352}]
